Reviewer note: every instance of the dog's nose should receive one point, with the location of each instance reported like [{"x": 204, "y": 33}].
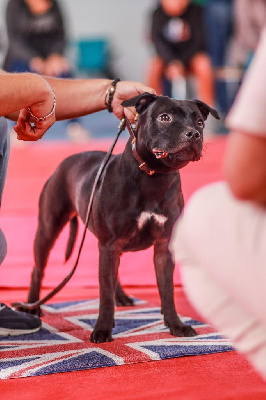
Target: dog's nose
[{"x": 193, "y": 135}]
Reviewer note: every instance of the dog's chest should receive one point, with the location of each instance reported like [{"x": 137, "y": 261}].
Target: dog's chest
[
  {"x": 147, "y": 228},
  {"x": 150, "y": 217}
]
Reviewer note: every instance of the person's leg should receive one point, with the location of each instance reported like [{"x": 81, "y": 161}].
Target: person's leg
[
  {"x": 219, "y": 25},
  {"x": 200, "y": 66},
  {"x": 220, "y": 245},
  {"x": 155, "y": 74},
  {"x": 11, "y": 322}
]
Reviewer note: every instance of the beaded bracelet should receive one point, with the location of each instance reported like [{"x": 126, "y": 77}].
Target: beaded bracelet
[
  {"x": 110, "y": 93},
  {"x": 40, "y": 119}
]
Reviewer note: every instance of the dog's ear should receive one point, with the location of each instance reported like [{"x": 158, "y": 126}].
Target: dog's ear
[
  {"x": 140, "y": 102},
  {"x": 205, "y": 109}
]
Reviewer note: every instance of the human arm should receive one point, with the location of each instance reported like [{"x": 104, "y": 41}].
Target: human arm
[
  {"x": 23, "y": 90},
  {"x": 245, "y": 167},
  {"x": 20, "y": 91},
  {"x": 74, "y": 98},
  {"x": 78, "y": 97},
  {"x": 245, "y": 160}
]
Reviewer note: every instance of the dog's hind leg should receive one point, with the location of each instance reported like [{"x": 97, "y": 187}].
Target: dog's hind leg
[
  {"x": 53, "y": 216},
  {"x": 121, "y": 298},
  {"x": 44, "y": 240},
  {"x": 164, "y": 267}
]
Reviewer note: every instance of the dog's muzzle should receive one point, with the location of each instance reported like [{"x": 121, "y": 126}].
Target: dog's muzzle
[
  {"x": 187, "y": 153},
  {"x": 160, "y": 153}
]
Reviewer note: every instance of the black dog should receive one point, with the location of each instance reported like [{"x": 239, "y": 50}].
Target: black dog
[{"x": 136, "y": 204}]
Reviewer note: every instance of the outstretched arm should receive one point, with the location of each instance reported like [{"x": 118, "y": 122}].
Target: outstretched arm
[{"x": 74, "y": 98}]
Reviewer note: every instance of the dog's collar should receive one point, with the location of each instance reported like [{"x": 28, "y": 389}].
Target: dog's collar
[{"x": 142, "y": 164}]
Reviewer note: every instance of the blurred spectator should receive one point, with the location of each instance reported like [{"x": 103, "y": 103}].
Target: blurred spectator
[
  {"x": 219, "y": 26},
  {"x": 250, "y": 18},
  {"x": 37, "y": 38},
  {"x": 177, "y": 33},
  {"x": 3, "y": 45},
  {"x": 37, "y": 42}
]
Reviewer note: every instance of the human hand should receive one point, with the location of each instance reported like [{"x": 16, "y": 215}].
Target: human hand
[
  {"x": 28, "y": 131},
  {"x": 174, "y": 70},
  {"x": 37, "y": 64},
  {"x": 125, "y": 90},
  {"x": 56, "y": 65},
  {"x": 31, "y": 127}
]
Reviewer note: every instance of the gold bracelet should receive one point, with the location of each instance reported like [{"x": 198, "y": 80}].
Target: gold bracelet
[{"x": 40, "y": 119}]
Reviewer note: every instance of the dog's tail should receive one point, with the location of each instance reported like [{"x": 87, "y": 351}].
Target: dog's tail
[{"x": 72, "y": 237}]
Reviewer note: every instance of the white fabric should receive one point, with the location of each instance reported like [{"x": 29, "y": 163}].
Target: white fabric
[
  {"x": 248, "y": 113},
  {"x": 220, "y": 244}
]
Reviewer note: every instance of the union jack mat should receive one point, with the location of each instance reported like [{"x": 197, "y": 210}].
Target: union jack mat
[{"x": 63, "y": 344}]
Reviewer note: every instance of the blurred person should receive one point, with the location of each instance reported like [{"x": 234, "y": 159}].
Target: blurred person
[
  {"x": 249, "y": 20},
  {"x": 219, "y": 29},
  {"x": 37, "y": 39},
  {"x": 220, "y": 239},
  {"x": 3, "y": 45},
  {"x": 35, "y": 103},
  {"x": 177, "y": 33},
  {"x": 37, "y": 43}
]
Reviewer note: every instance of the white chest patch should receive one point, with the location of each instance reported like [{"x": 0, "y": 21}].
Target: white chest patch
[{"x": 145, "y": 216}]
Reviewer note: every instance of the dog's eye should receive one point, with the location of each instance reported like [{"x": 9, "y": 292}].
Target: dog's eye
[
  {"x": 164, "y": 118},
  {"x": 200, "y": 123}
]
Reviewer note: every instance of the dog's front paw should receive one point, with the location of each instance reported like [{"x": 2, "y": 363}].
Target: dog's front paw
[
  {"x": 182, "y": 330},
  {"x": 101, "y": 336}
]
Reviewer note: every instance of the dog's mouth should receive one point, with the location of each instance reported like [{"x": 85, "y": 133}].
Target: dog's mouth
[
  {"x": 160, "y": 153},
  {"x": 184, "y": 154}
]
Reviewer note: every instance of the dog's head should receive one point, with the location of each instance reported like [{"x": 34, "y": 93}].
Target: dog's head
[{"x": 169, "y": 132}]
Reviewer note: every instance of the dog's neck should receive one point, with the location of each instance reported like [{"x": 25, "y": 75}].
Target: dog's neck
[{"x": 142, "y": 164}]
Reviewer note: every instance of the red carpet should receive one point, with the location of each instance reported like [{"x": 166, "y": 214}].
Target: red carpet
[
  {"x": 30, "y": 166},
  {"x": 63, "y": 345},
  {"x": 221, "y": 376}
]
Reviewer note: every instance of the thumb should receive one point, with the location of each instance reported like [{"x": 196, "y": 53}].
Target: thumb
[
  {"x": 130, "y": 113},
  {"x": 24, "y": 114}
]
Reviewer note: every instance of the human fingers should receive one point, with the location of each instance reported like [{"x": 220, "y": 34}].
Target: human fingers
[
  {"x": 31, "y": 131},
  {"x": 125, "y": 90},
  {"x": 130, "y": 113}
]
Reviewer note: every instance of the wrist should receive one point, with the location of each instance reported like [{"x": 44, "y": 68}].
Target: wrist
[
  {"x": 45, "y": 117},
  {"x": 45, "y": 108},
  {"x": 109, "y": 94}
]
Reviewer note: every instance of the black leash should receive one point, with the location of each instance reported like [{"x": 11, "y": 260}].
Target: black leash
[{"x": 37, "y": 304}]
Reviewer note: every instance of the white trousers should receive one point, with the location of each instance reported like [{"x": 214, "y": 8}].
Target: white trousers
[{"x": 220, "y": 244}]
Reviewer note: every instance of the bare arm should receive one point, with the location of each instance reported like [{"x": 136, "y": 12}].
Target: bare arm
[
  {"x": 245, "y": 167},
  {"x": 22, "y": 90},
  {"x": 74, "y": 98},
  {"x": 245, "y": 161}
]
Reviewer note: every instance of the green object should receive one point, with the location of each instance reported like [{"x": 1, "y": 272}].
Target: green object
[
  {"x": 200, "y": 2},
  {"x": 92, "y": 54}
]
